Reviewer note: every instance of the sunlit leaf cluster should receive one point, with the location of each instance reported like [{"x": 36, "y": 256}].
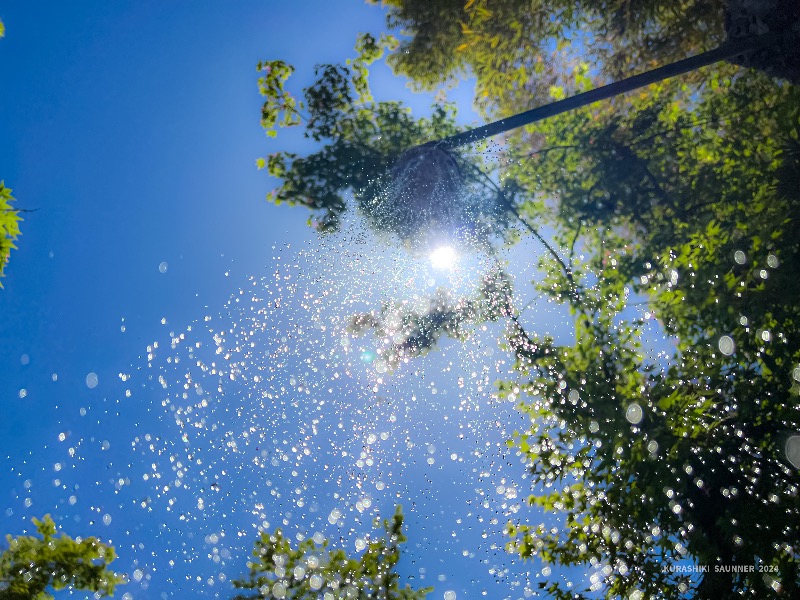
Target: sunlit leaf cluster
[
  {"x": 658, "y": 436},
  {"x": 518, "y": 51},
  {"x": 311, "y": 570},
  {"x": 9, "y": 226},
  {"x": 410, "y": 333},
  {"x": 363, "y": 141},
  {"x": 33, "y": 567},
  {"x": 690, "y": 209}
]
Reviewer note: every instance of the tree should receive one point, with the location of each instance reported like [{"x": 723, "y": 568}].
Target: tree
[
  {"x": 656, "y": 465},
  {"x": 9, "y": 226},
  {"x": 9, "y": 218},
  {"x": 312, "y": 571},
  {"x": 661, "y": 465},
  {"x": 31, "y": 565},
  {"x": 517, "y": 51},
  {"x": 686, "y": 195},
  {"x": 363, "y": 140}
]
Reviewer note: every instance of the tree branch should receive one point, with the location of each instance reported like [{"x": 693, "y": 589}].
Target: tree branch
[
  {"x": 572, "y": 244},
  {"x": 567, "y": 271}
]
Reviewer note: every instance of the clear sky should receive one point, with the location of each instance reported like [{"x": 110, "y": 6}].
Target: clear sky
[{"x": 132, "y": 130}]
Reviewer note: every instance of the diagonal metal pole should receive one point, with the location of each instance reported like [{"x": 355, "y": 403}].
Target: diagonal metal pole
[{"x": 729, "y": 50}]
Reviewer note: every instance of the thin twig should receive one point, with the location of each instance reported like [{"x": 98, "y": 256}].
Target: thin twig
[
  {"x": 572, "y": 244},
  {"x": 553, "y": 253},
  {"x": 486, "y": 177},
  {"x": 531, "y": 301}
]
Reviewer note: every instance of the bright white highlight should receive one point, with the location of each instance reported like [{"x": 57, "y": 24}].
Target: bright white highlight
[{"x": 444, "y": 257}]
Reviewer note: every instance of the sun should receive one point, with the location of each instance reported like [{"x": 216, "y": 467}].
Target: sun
[{"x": 444, "y": 258}]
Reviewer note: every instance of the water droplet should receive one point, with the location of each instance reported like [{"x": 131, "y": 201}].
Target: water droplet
[
  {"x": 316, "y": 582},
  {"x": 772, "y": 261},
  {"x": 739, "y": 257},
  {"x": 634, "y": 414},
  {"x": 334, "y": 517},
  {"x": 726, "y": 345},
  {"x": 162, "y": 268},
  {"x": 91, "y": 380},
  {"x": 793, "y": 450}
]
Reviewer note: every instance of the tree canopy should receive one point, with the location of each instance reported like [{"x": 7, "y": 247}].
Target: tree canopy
[
  {"x": 9, "y": 218},
  {"x": 31, "y": 567},
  {"x": 311, "y": 570},
  {"x": 9, "y": 226},
  {"x": 653, "y": 463},
  {"x": 675, "y": 205},
  {"x": 363, "y": 140},
  {"x": 518, "y": 50}
]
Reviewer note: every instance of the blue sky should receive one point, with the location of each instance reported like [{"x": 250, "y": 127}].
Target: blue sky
[{"x": 132, "y": 129}]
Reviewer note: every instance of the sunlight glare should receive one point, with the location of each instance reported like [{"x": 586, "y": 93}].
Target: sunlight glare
[{"x": 444, "y": 257}]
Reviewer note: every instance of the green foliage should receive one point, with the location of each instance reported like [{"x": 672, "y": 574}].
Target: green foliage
[
  {"x": 683, "y": 199},
  {"x": 280, "y": 108},
  {"x": 9, "y": 226},
  {"x": 518, "y": 51},
  {"x": 361, "y": 142},
  {"x": 689, "y": 200},
  {"x": 9, "y": 218},
  {"x": 312, "y": 571},
  {"x": 415, "y": 333},
  {"x": 31, "y": 565},
  {"x": 686, "y": 199}
]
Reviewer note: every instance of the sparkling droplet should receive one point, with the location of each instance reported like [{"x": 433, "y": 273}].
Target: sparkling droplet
[
  {"x": 726, "y": 345},
  {"x": 634, "y": 414},
  {"x": 793, "y": 450},
  {"x": 772, "y": 261},
  {"x": 92, "y": 380}
]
